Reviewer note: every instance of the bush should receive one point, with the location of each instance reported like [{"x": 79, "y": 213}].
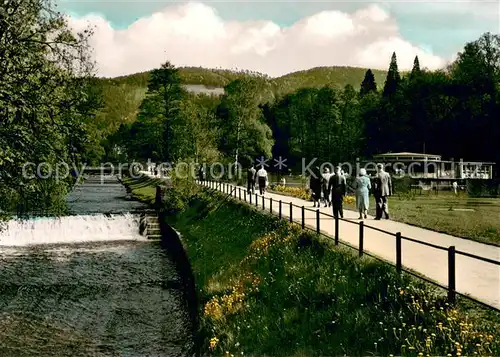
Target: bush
[{"x": 304, "y": 193}]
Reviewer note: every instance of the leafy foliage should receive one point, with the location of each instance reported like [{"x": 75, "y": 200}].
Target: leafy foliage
[{"x": 48, "y": 101}]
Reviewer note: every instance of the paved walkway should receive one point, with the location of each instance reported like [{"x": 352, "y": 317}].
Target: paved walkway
[{"x": 474, "y": 277}]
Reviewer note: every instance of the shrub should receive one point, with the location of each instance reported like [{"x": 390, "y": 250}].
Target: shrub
[{"x": 304, "y": 193}]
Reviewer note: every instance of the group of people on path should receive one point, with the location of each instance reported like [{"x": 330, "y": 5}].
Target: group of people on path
[
  {"x": 333, "y": 187},
  {"x": 257, "y": 176},
  {"x": 380, "y": 185}
]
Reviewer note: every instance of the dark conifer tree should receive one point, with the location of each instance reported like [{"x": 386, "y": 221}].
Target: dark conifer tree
[
  {"x": 393, "y": 78},
  {"x": 416, "y": 68},
  {"x": 368, "y": 85}
]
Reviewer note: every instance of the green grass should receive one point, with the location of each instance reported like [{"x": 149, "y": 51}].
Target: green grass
[
  {"x": 268, "y": 288},
  {"x": 142, "y": 189},
  {"x": 442, "y": 213}
]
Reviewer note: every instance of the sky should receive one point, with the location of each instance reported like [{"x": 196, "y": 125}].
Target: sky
[{"x": 278, "y": 37}]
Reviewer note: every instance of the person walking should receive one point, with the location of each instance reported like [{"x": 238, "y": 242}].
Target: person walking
[
  {"x": 455, "y": 187},
  {"x": 363, "y": 186},
  {"x": 338, "y": 187},
  {"x": 201, "y": 174},
  {"x": 315, "y": 186},
  {"x": 262, "y": 179},
  {"x": 383, "y": 190},
  {"x": 251, "y": 173},
  {"x": 324, "y": 186}
]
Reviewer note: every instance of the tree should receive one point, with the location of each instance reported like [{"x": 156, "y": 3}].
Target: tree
[
  {"x": 415, "y": 72},
  {"x": 47, "y": 102},
  {"x": 196, "y": 131},
  {"x": 243, "y": 127},
  {"x": 476, "y": 77},
  {"x": 153, "y": 134},
  {"x": 368, "y": 85},
  {"x": 393, "y": 78}
]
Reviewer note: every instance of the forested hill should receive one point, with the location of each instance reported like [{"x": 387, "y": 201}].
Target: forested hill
[
  {"x": 312, "y": 78},
  {"x": 123, "y": 95}
]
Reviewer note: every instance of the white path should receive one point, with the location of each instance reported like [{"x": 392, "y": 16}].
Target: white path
[{"x": 479, "y": 279}]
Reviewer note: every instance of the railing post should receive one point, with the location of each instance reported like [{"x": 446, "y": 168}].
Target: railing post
[
  {"x": 291, "y": 212},
  {"x": 361, "y": 237},
  {"x": 239, "y": 193},
  {"x": 250, "y": 195},
  {"x": 279, "y": 212},
  {"x": 451, "y": 275},
  {"x": 245, "y": 196},
  {"x": 303, "y": 217},
  {"x": 271, "y": 205},
  {"x": 263, "y": 203},
  {"x": 336, "y": 220},
  {"x": 317, "y": 221},
  {"x": 399, "y": 263},
  {"x": 256, "y": 201}
]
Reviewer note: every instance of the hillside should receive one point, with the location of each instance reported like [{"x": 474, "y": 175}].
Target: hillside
[
  {"x": 325, "y": 76},
  {"x": 123, "y": 95},
  {"x": 315, "y": 77},
  {"x": 189, "y": 75}
]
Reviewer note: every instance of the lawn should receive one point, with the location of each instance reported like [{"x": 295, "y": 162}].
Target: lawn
[
  {"x": 462, "y": 216},
  {"x": 142, "y": 189}
]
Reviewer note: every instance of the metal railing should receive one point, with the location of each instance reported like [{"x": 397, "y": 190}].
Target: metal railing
[{"x": 236, "y": 192}]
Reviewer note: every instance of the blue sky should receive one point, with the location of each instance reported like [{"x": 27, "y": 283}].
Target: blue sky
[{"x": 438, "y": 27}]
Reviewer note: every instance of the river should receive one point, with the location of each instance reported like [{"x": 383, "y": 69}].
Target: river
[{"x": 89, "y": 284}]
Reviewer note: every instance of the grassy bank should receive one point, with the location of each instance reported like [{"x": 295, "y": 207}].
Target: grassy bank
[
  {"x": 268, "y": 288},
  {"x": 461, "y": 216}
]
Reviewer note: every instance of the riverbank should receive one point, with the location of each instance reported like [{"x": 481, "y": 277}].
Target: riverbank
[{"x": 268, "y": 288}]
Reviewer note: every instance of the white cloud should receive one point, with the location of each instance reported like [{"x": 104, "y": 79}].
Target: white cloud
[{"x": 194, "y": 35}]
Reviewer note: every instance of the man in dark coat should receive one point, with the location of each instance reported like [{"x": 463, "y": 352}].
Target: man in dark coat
[
  {"x": 382, "y": 190},
  {"x": 251, "y": 179},
  {"x": 337, "y": 186}
]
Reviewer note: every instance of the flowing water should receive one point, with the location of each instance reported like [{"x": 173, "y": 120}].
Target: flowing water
[{"x": 89, "y": 284}]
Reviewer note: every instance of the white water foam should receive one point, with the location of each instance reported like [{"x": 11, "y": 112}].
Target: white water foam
[{"x": 71, "y": 229}]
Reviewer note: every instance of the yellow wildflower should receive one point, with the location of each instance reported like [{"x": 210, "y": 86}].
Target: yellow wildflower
[{"x": 213, "y": 342}]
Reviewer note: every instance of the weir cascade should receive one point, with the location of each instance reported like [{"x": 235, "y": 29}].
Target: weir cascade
[{"x": 91, "y": 283}]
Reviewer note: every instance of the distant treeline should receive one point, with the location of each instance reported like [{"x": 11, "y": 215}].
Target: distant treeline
[{"x": 451, "y": 112}]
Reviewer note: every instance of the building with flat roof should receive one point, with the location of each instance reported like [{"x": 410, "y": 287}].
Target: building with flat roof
[{"x": 420, "y": 165}]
